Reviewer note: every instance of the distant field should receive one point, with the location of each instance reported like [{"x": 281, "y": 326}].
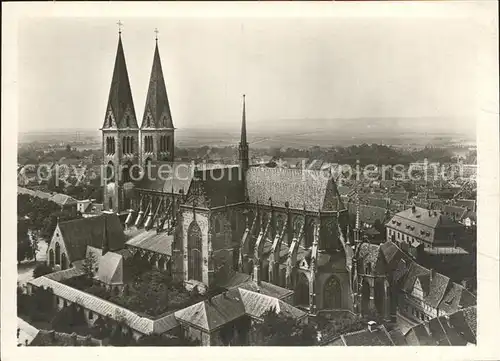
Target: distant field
[{"x": 295, "y": 134}]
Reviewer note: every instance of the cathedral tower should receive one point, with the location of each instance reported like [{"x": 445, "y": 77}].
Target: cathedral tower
[
  {"x": 120, "y": 137},
  {"x": 157, "y": 129},
  {"x": 243, "y": 147}
]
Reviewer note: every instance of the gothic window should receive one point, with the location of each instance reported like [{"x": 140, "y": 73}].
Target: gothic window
[
  {"x": 168, "y": 144},
  {"x": 110, "y": 176},
  {"x": 309, "y": 236},
  {"x": 132, "y": 145},
  {"x": 64, "y": 261},
  {"x": 124, "y": 145},
  {"x": 332, "y": 294},
  {"x": 58, "y": 253},
  {"x": 265, "y": 273},
  {"x": 110, "y": 203},
  {"x": 302, "y": 291},
  {"x": 51, "y": 258},
  {"x": 217, "y": 226},
  {"x": 195, "y": 252}
]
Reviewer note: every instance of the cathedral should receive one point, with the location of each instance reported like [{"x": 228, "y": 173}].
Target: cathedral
[{"x": 217, "y": 226}]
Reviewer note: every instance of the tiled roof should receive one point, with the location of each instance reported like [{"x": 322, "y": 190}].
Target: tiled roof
[
  {"x": 267, "y": 289},
  {"x": 226, "y": 307},
  {"x": 368, "y": 214},
  {"x": 102, "y": 307},
  {"x": 209, "y": 315},
  {"x": 95, "y": 304},
  {"x": 63, "y": 199},
  {"x": 257, "y": 304},
  {"x": 83, "y": 232},
  {"x": 312, "y": 189},
  {"x": 378, "y": 337},
  {"x": 436, "y": 286},
  {"x": 152, "y": 241},
  {"x": 236, "y": 280},
  {"x": 22, "y": 190},
  {"x": 451, "y": 330},
  {"x": 456, "y": 298},
  {"x": 220, "y": 186},
  {"x": 110, "y": 268},
  {"x": 425, "y": 224}
]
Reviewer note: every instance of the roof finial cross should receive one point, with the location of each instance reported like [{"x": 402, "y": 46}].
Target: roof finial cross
[
  {"x": 156, "y": 32},
  {"x": 119, "y": 23}
]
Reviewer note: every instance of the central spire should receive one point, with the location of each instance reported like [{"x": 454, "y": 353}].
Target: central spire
[
  {"x": 243, "y": 140},
  {"x": 243, "y": 148},
  {"x": 157, "y": 110}
]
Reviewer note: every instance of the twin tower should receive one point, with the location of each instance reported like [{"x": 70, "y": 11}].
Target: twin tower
[{"x": 125, "y": 144}]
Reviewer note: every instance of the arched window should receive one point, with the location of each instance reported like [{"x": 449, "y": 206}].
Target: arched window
[
  {"x": 132, "y": 145},
  {"x": 51, "y": 258},
  {"x": 332, "y": 294},
  {"x": 110, "y": 203},
  {"x": 195, "y": 252},
  {"x": 168, "y": 144},
  {"x": 64, "y": 261},
  {"x": 309, "y": 236},
  {"x": 124, "y": 145},
  {"x": 302, "y": 290},
  {"x": 110, "y": 172},
  {"x": 58, "y": 253}
]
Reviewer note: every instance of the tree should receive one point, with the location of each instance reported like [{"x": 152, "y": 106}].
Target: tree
[
  {"x": 41, "y": 270},
  {"x": 24, "y": 247},
  {"x": 278, "y": 329},
  {"x": 89, "y": 265}
]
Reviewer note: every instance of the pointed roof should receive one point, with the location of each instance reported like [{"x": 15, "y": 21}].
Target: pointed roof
[
  {"x": 157, "y": 109},
  {"x": 243, "y": 140},
  {"x": 120, "y": 111}
]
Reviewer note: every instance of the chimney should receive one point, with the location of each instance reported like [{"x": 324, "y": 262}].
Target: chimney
[
  {"x": 52, "y": 335},
  {"x": 88, "y": 340},
  {"x": 413, "y": 209},
  {"x": 372, "y": 326}
]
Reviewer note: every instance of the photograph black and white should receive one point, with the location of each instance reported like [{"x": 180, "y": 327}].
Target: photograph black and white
[{"x": 249, "y": 181}]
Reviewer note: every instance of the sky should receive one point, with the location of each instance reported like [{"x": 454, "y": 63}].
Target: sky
[{"x": 289, "y": 68}]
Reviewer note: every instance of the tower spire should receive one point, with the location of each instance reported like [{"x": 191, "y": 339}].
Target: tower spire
[
  {"x": 157, "y": 109},
  {"x": 120, "y": 110},
  {"x": 243, "y": 148},
  {"x": 244, "y": 124}
]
